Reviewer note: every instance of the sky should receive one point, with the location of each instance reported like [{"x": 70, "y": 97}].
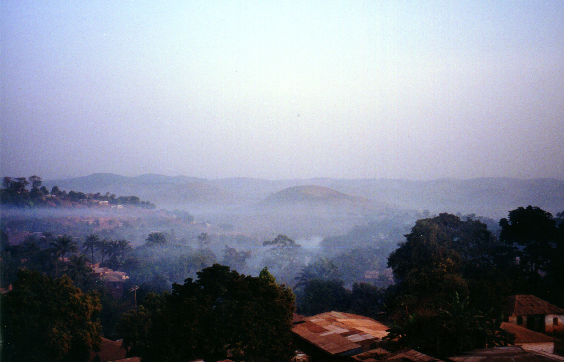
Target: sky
[{"x": 416, "y": 90}]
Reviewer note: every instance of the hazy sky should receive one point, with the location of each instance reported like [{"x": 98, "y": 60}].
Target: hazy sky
[{"x": 289, "y": 89}]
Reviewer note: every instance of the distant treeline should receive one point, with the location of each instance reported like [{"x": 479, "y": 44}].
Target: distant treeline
[{"x": 15, "y": 193}]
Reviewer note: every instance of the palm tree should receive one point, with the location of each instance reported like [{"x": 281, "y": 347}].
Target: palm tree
[
  {"x": 103, "y": 247},
  {"x": 90, "y": 244},
  {"x": 116, "y": 251},
  {"x": 62, "y": 245}
]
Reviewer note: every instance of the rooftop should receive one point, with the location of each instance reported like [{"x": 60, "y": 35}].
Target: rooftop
[
  {"x": 406, "y": 354},
  {"x": 340, "y": 333},
  {"x": 524, "y": 335},
  {"x": 506, "y": 354},
  {"x": 522, "y": 305}
]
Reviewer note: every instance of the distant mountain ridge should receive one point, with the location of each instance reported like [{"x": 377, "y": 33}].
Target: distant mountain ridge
[{"x": 492, "y": 197}]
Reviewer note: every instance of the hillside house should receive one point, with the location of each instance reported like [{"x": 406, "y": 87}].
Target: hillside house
[
  {"x": 530, "y": 340},
  {"x": 535, "y": 314},
  {"x": 336, "y": 336},
  {"x": 114, "y": 280}
]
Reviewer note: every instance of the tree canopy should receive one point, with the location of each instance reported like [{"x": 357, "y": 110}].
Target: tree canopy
[
  {"x": 45, "y": 319},
  {"x": 452, "y": 330},
  {"x": 536, "y": 242},
  {"x": 441, "y": 256},
  {"x": 222, "y": 314},
  {"x": 449, "y": 282}
]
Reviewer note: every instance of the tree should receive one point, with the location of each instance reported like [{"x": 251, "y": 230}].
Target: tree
[
  {"x": 223, "y": 314},
  {"x": 117, "y": 251},
  {"x": 282, "y": 257},
  {"x": 156, "y": 239},
  {"x": 90, "y": 244},
  {"x": 56, "y": 191},
  {"x": 45, "y": 319},
  {"x": 367, "y": 299},
  {"x": 35, "y": 181},
  {"x": 80, "y": 272},
  {"x": 533, "y": 232},
  {"x": 281, "y": 241},
  {"x": 103, "y": 247},
  {"x": 320, "y": 296},
  {"x": 62, "y": 245},
  {"x": 235, "y": 259},
  {"x": 441, "y": 256},
  {"x": 449, "y": 287},
  {"x": 133, "y": 326},
  {"x": 452, "y": 330},
  {"x": 536, "y": 240},
  {"x": 321, "y": 269}
]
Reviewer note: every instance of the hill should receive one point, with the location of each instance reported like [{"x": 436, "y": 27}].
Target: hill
[
  {"x": 309, "y": 194},
  {"x": 492, "y": 197}
]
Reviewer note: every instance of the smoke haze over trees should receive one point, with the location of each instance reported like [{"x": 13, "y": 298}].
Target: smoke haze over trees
[{"x": 330, "y": 250}]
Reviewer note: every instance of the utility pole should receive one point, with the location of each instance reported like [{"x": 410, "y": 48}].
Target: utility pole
[{"x": 134, "y": 290}]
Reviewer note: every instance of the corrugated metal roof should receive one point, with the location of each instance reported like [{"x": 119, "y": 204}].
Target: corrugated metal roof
[
  {"x": 340, "y": 333},
  {"x": 406, "y": 354},
  {"x": 410, "y": 355},
  {"x": 523, "y": 305},
  {"x": 506, "y": 354}
]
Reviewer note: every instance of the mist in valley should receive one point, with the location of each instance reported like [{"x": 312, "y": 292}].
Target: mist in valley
[{"x": 204, "y": 222}]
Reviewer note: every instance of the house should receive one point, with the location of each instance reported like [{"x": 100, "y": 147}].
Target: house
[
  {"x": 403, "y": 355},
  {"x": 535, "y": 314},
  {"x": 334, "y": 335},
  {"x": 505, "y": 354},
  {"x": 530, "y": 340},
  {"x": 114, "y": 280}
]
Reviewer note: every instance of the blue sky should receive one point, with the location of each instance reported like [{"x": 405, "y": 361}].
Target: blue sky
[{"x": 292, "y": 89}]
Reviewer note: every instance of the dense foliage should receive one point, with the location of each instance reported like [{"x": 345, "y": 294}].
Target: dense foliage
[
  {"x": 452, "y": 329},
  {"x": 46, "y": 319},
  {"x": 14, "y": 193},
  {"x": 452, "y": 277},
  {"x": 222, "y": 314},
  {"x": 451, "y": 274}
]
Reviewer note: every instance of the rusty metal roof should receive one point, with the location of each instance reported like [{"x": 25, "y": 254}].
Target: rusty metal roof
[
  {"x": 524, "y": 335},
  {"x": 523, "y": 305},
  {"x": 340, "y": 333},
  {"x": 506, "y": 354},
  {"x": 406, "y": 354}
]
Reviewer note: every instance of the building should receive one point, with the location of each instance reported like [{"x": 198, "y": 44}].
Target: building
[
  {"x": 114, "y": 280},
  {"x": 505, "y": 354},
  {"x": 403, "y": 355},
  {"x": 535, "y": 314},
  {"x": 530, "y": 340},
  {"x": 336, "y": 335}
]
